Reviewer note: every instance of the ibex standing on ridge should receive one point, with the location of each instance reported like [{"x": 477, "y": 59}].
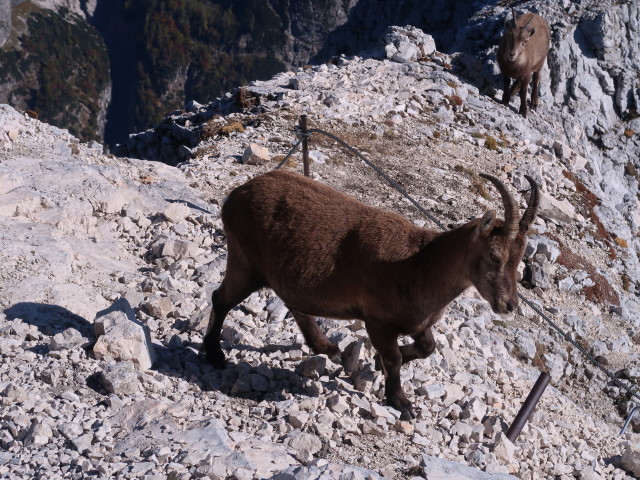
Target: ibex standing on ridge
[
  {"x": 521, "y": 54},
  {"x": 326, "y": 254}
]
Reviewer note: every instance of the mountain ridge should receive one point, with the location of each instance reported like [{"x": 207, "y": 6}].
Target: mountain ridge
[{"x": 157, "y": 64}]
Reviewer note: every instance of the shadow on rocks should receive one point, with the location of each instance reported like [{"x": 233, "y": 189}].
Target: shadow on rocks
[
  {"x": 49, "y": 319},
  {"x": 67, "y": 331},
  {"x": 241, "y": 380}
]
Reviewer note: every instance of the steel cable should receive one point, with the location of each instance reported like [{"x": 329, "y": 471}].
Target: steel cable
[{"x": 422, "y": 210}]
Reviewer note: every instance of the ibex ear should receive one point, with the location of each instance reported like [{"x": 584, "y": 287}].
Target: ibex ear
[{"x": 485, "y": 226}]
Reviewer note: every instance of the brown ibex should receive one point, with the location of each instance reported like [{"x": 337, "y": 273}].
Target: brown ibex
[
  {"x": 521, "y": 54},
  {"x": 326, "y": 254}
]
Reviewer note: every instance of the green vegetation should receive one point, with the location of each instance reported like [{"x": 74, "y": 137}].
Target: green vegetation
[
  {"x": 179, "y": 49},
  {"x": 61, "y": 72},
  {"x": 210, "y": 43}
]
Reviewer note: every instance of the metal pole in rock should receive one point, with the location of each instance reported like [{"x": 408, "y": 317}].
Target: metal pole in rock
[
  {"x": 629, "y": 418},
  {"x": 305, "y": 145},
  {"x": 528, "y": 406}
]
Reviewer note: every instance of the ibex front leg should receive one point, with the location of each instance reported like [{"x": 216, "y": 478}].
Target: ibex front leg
[
  {"x": 535, "y": 87},
  {"x": 523, "y": 95},
  {"x": 386, "y": 343},
  {"x": 506, "y": 89}
]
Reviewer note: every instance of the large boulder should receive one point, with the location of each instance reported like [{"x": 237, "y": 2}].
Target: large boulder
[{"x": 122, "y": 337}]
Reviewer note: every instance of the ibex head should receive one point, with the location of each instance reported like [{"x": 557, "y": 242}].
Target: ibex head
[
  {"x": 517, "y": 37},
  {"x": 500, "y": 247}
]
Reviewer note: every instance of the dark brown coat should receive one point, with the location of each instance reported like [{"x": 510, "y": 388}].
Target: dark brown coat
[{"x": 327, "y": 254}]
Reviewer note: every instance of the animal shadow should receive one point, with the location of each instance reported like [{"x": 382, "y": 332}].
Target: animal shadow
[{"x": 183, "y": 361}]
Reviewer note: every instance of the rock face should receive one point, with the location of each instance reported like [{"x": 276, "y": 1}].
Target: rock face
[
  {"x": 5, "y": 21},
  {"x": 631, "y": 460},
  {"x": 408, "y": 44},
  {"x": 591, "y": 64},
  {"x": 53, "y": 63},
  {"x": 81, "y": 231}
]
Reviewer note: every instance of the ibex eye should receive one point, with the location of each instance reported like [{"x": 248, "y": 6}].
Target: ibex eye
[{"x": 494, "y": 258}]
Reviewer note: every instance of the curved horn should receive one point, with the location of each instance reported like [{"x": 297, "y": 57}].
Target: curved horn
[
  {"x": 513, "y": 17},
  {"x": 530, "y": 20},
  {"x": 532, "y": 207},
  {"x": 510, "y": 206}
]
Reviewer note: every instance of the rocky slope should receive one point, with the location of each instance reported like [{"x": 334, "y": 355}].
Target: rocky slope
[{"x": 108, "y": 264}]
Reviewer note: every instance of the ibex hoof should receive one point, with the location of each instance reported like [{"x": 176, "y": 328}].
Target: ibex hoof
[
  {"x": 216, "y": 359},
  {"x": 336, "y": 358},
  {"x": 327, "y": 348},
  {"x": 404, "y": 406},
  {"x": 407, "y": 414},
  {"x": 377, "y": 362}
]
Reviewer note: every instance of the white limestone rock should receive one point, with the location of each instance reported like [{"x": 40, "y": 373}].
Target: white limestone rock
[
  {"x": 504, "y": 449},
  {"x": 559, "y": 210},
  {"x": 304, "y": 444},
  {"x": 176, "y": 212},
  {"x": 631, "y": 459},
  {"x": 68, "y": 340},
  {"x": 159, "y": 307},
  {"x": 442, "y": 469},
  {"x": 408, "y": 44},
  {"x": 12, "y": 394},
  {"x": 122, "y": 337},
  {"x": 256, "y": 154}
]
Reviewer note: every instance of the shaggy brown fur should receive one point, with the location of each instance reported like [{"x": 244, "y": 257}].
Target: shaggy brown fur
[
  {"x": 521, "y": 54},
  {"x": 327, "y": 254}
]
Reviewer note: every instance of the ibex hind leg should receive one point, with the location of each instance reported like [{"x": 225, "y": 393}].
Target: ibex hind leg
[
  {"x": 315, "y": 338},
  {"x": 237, "y": 285}
]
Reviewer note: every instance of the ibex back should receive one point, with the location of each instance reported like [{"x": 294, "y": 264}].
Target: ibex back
[
  {"x": 521, "y": 54},
  {"x": 326, "y": 254}
]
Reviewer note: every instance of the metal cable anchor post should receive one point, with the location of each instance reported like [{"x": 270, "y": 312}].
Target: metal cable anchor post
[
  {"x": 626, "y": 424},
  {"x": 528, "y": 406},
  {"x": 305, "y": 145}
]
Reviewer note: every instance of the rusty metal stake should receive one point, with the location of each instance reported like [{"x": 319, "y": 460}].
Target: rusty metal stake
[
  {"x": 528, "y": 406},
  {"x": 626, "y": 424},
  {"x": 305, "y": 145}
]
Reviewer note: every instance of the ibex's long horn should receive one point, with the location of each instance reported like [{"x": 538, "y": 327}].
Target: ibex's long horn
[
  {"x": 530, "y": 20},
  {"x": 532, "y": 207},
  {"x": 510, "y": 206},
  {"x": 513, "y": 17}
]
